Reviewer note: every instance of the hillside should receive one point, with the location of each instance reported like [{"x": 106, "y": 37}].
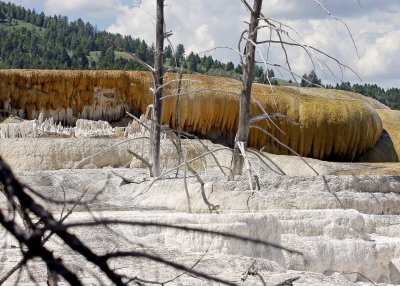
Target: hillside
[{"x": 32, "y": 40}]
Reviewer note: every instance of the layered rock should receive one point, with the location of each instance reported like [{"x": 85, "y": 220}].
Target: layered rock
[
  {"x": 317, "y": 123},
  {"x": 64, "y": 153},
  {"x": 55, "y": 153},
  {"x": 342, "y": 218},
  {"x": 345, "y": 227}
]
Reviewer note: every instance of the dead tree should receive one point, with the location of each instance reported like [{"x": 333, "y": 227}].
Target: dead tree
[
  {"x": 158, "y": 75},
  {"x": 155, "y": 133},
  {"x": 248, "y": 61},
  {"x": 284, "y": 38}
]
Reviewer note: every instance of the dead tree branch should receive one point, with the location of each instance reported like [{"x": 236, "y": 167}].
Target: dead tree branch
[
  {"x": 143, "y": 160},
  {"x": 247, "y": 82},
  {"x": 67, "y": 226},
  {"x": 35, "y": 247},
  {"x": 288, "y": 282},
  {"x": 135, "y": 57},
  {"x": 211, "y": 207},
  {"x": 284, "y": 145},
  {"x": 80, "y": 164}
]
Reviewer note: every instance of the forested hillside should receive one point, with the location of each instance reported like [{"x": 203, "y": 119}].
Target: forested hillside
[
  {"x": 33, "y": 40},
  {"x": 389, "y": 97},
  {"x": 29, "y": 39}
]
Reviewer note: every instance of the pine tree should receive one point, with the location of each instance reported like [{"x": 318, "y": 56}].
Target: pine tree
[
  {"x": 180, "y": 54},
  {"x": 310, "y": 80}
]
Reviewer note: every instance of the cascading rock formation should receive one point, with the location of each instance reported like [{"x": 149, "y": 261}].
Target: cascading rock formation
[{"x": 323, "y": 124}]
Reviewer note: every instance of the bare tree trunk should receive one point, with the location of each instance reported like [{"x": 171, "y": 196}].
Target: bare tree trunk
[
  {"x": 177, "y": 121},
  {"x": 158, "y": 82},
  {"x": 245, "y": 95}
]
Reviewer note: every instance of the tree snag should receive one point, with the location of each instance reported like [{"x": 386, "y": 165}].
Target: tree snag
[
  {"x": 245, "y": 94},
  {"x": 155, "y": 133}
]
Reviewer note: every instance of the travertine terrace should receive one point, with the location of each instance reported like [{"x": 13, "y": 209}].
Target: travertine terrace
[
  {"x": 323, "y": 124},
  {"x": 338, "y": 223}
]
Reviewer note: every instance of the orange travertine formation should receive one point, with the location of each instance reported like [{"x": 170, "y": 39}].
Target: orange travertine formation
[{"x": 323, "y": 124}]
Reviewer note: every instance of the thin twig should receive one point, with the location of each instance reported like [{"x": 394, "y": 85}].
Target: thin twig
[
  {"x": 173, "y": 169},
  {"x": 260, "y": 155},
  {"x": 288, "y": 282},
  {"x": 284, "y": 145},
  {"x": 80, "y": 163},
  {"x": 186, "y": 188},
  {"x": 143, "y": 160},
  {"x": 193, "y": 266},
  {"x": 339, "y": 20},
  {"x": 135, "y": 57},
  {"x": 211, "y": 207}
]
